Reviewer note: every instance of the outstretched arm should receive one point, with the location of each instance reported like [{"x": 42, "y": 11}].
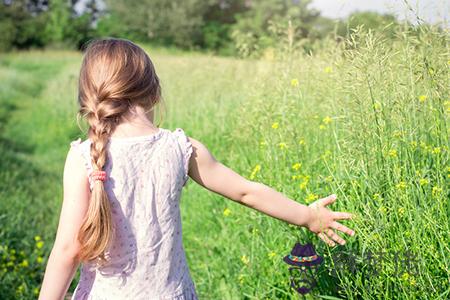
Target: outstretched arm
[{"x": 214, "y": 176}]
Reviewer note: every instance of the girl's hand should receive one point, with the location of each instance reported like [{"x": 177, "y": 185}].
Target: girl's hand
[{"x": 323, "y": 221}]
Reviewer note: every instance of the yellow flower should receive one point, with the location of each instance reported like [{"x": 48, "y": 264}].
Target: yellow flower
[
  {"x": 296, "y": 166},
  {"x": 397, "y": 133},
  {"x": 405, "y": 276},
  {"x": 226, "y": 212},
  {"x": 39, "y": 259},
  {"x": 39, "y": 244},
  {"x": 294, "y": 82},
  {"x": 401, "y": 211},
  {"x": 401, "y": 185},
  {"x": 322, "y": 127},
  {"x": 311, "y": 197},
  {"x": 37, "y": 238},
  {"x": 241, "y": 278},
  {"x": 256, "y": 169},
  {"x": 275, "y": 125},
  {"x": 327, "y": 120},
  {"x": 436, "y": 191},
  {"x": 423, "y": 181},
  {"x": 436, "y": 150},
  {"x": 245, "y": 259},
  {"x": 24, "y": 263},
  {"x": 36, "y": 291},
  {"x": 328, "y": 70},
  {"x": 303, "y": 185},
  {"x": 271, "y": 254},
  {"x": 301, "y": 141},
  {"x": 382, "y": 209},
  {"x": 392, "y": 153},
  {"x": 377, "y": 106},
  {"x": 282, "y": 146},
  {"x": 423, "y": 98}
]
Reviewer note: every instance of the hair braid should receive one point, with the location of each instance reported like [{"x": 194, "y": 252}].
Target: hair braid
[{"x": 115, "y": 75}]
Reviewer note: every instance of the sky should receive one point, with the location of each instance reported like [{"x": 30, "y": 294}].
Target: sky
[{"x": 431, "y": 11}]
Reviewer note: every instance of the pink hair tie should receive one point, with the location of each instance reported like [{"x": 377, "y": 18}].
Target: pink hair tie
[{"x": 98, "y": 175}]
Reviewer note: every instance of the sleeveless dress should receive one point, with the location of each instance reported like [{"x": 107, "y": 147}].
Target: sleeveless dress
[{"x": 145, "y": 176}]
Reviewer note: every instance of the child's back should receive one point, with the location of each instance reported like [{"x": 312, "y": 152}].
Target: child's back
[{"x": 147, "y": 260}]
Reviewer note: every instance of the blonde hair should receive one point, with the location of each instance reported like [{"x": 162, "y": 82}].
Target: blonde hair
[{"x": 115, "y": 76}]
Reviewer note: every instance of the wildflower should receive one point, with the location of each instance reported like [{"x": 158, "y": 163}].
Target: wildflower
[
  {"x": 401, "y": 185},
  {"x": 295, "y": 177},
  {"x": 405, "y": 276},
  {"x": 436, "y": 150},
  {"x": 436, "y": 191},
  {"x": 271, "y": 254},
  {"x": 39, "y": 259},
  {"x": 328, "y": 70},
  {"x": 322, "y": 127},
  {"x": 377, "y": 106},
  {"x": 275, "y": 125},
  {"x": 296, "y": 166},
  {"x": 423, "y": 181},
  {"x": 36, "y": 291},
  {"x": 294, "y": 82},
  {"x": 397, "y": 133},
  {"x": 401, "y": 211},
  {"x": 327, "y": 120},
  {"x": 422, "y": 98},
  {"x": 245, "y": 259},
  {"x": 301, "y": 141},
  {"x": 392, "y": 153},
  {"x": 39, "y": 244},
  {"x": 24, "y": 263},
  {"x": 311, "y": 197},
  {"x": 282, "y": 146},
  {"x": 226, "y": 212},
  {"x": 256, "y": 169},
  {"x": 241, "y": 278},
  {"x": 303, "y": 185},
  {"x": 37, "y": 238}
]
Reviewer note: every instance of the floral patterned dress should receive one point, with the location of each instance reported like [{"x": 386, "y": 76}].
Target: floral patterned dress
[{"x": 145, "y": 176}]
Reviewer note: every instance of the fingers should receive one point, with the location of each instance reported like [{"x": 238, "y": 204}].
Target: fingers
[
  {"x": 342, "y": 215},
  {"x": 326, "y": 239},
  {"x": 340, "y": 227},
  {"x": 328, "y": 200},
  {"x": 333, "y": 235}
]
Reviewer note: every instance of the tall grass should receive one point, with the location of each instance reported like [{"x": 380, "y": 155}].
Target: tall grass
[{"x": 366, "y": 119}]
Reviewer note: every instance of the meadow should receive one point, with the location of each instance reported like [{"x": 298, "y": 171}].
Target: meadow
[{"x": 367, "y": 119}]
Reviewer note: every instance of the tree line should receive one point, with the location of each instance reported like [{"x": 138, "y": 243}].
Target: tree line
[{"x": 226, "y": 27}]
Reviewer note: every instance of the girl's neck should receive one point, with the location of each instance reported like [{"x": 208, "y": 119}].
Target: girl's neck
[{"x": 136, "y": 123}]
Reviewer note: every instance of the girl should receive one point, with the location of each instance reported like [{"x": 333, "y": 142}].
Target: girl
[{"x": 120, "y": 215}]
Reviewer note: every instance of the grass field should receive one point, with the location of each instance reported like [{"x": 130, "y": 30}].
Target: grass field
[{"x": 367, "y": 120}]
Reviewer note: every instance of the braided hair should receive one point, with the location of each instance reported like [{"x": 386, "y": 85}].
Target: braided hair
[{"x": 115, "y": 76}]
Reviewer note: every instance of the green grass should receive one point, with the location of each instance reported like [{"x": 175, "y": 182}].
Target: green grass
[{"x": 368, "y": 120}]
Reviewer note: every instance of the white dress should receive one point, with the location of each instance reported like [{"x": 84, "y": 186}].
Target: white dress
[{"x": 145, "y": 176}]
